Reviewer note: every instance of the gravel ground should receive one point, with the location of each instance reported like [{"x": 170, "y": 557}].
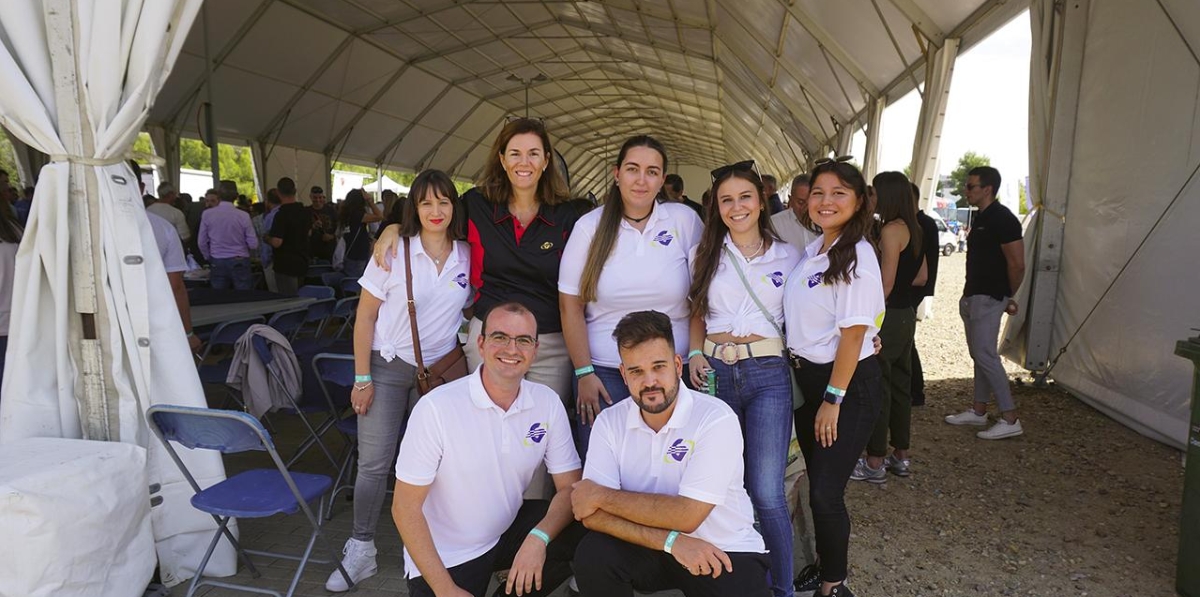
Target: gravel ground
[{"x": 1079, "y": 505}]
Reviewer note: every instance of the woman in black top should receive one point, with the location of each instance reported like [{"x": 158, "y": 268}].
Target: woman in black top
[
  {"x": 902, "y": 266},
  {"x": 355, "y": 214},
  {"x": 518, "y": 220}
]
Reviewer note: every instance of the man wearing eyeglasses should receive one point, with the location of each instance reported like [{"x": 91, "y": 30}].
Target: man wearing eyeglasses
[
  {"x": 995, "y": 268},
  {"x": 471, "y": 450}
]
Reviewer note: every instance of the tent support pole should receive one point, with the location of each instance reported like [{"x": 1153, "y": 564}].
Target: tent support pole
[
  {"x": 939, "y": 72},
  {"x": 1066, "y": 75},
  {"x": 874, "y": 120},
  {"x": 210, "y": 124}
]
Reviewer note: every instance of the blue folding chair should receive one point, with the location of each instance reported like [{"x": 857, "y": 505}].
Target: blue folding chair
[
  {"x": 332, "y": 279},
  {"x": 289, "y": 322},
  {"x": 345, "y": 309},
  {"x": 263, "y": 349},
  {"x": 335, "y": 372},
  {"x": 350, "y": 287},
  {"x": 257, "y": 493},
  {"x": 313, "y": 291}
]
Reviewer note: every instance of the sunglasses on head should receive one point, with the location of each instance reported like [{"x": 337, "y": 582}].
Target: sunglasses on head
[
  {"x": 841, "y": 159},
  {"x": 536, "y": 120},
  {"x": 744, "y": 166}
]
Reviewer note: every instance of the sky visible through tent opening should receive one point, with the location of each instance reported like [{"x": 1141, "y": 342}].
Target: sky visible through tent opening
[{"x": 987, "y": 112}]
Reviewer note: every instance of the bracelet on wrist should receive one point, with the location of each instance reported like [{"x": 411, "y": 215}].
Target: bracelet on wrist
[
  {"x": 670, "y": 542},
  {"x": 540, "y": 534},
  {"x": 362, "y": 378},
  {"x": 696, "y": 352},
  {"x": 358, "y": 387},
  {"x": 584, "y": 371}
]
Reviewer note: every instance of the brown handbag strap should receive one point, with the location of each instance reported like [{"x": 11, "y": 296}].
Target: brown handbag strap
[{"x": 412, "y": 309}]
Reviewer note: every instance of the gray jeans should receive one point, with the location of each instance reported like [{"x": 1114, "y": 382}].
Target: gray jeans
[
  {"x": 981, "y": 318},
  {"x": 379, "y": 434}
]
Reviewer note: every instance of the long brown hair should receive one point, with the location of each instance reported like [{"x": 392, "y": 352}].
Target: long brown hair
[
  {"x": 610, "y": 221},
  {"x": 893, "y": 195},
  {"x": 440, "y": 183},
  {"x": 843, "y": 256},
  {"x": 712, "y": 241},
  {"x": 494, "y": 183}
]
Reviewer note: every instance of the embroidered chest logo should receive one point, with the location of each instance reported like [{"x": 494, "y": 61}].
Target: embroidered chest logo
[
  {"x": 775, "y": 278},
  {"x": 535, "y": 435},
  {"x": 679, "y": 449},
  {"x": 815, "y": 279},
  {"x": 461, "y": 280},
  {"x": 663, "y": 238},
  {"x": 546, "y": 246}
]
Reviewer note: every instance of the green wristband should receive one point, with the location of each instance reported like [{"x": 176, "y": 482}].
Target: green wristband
[
  {"x": 695, "y": 353},
  {"x": 540, "y": 534},
  {"x": 362, "y": 378},
  {"x": 670, "y": 544},
  {"x": 583, "y": 371}
]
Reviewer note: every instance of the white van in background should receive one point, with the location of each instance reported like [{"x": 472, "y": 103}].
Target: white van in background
[{"x": 946, "y": 238}]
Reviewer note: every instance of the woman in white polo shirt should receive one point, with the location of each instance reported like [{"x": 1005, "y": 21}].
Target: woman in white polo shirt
[
  {"x": 631, "y": 255},
  {"x": 739, "y": 273},
  {"x": 834, "y": 306},
  {"x": 384, "y": 359}
]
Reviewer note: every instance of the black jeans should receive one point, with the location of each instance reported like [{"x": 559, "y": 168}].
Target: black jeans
[
  {"x": 829, "y": 468},
  {"x": 609, "y": 567},
  {"x": 473, "y": 576}
]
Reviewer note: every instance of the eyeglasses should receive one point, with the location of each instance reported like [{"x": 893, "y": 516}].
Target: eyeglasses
[
  {"x": 744, "y": 166},
  {"x": 841, "y": 159},
  {"x": 501, "y": 340},
  {"x": 534, "y": 120}
]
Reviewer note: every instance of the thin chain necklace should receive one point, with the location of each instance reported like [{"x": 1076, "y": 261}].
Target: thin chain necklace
[{"x": 757, "y": 250}]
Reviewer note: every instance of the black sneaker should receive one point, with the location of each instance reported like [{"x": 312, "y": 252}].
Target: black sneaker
[
  {"x": 808, "y": 581},
  {"x": 839, "y": 591}
]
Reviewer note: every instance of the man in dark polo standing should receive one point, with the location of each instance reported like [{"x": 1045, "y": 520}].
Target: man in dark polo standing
[{"x": 289, "y": 237}]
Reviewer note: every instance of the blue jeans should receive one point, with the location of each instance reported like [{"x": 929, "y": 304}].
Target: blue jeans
[
  {"x": 760, "y": 392},
  {"x": 233, "y": 271},
  {"x": 614, "y": 384}
]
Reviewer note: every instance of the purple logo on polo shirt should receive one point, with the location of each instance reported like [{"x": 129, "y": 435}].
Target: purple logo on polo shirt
[
  {"x": 664, "y": 238},
  {"x": 815, "y": 279},
  {"x": 678, "y": 450},
  {"x": 776, "y": 278},
  {"x": 536, "y": 434},
  {"x": 461, "y": 280}
]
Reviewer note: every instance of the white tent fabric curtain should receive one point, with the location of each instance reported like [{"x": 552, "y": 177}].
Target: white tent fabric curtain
[
  {"x": 80, "y": 78},
  {"x": 1128, "y": 285}
]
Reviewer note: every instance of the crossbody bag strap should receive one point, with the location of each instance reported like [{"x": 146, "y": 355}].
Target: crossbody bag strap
[
  {"x": 737, "y": 266},
  {"x": 412, "y": 309}
]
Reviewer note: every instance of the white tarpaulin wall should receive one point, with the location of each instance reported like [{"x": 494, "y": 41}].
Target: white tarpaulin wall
[
  {"x": 1129, "y": 196},
  {"x": 95, "y": 337}
]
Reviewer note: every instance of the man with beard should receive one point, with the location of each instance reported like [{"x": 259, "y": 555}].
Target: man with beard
[{"x": 662, "y": 489}]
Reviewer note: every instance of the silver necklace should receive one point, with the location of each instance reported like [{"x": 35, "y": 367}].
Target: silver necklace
[{"x": 757, "y": 251}]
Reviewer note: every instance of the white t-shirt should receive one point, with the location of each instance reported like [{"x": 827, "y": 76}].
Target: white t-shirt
[
  {"x": 169, "y": 246},
  {"x": 789, "y": 228},
  {"x": 815, "y": 312},
  {"x": 478, "y": 460},
  {"x": 732, "y": 309},
  {"x": 172, "y": 215},
  {"x": 440, "y": 301},
  {"x": 697, "y": 455},
  {"x": 646, "y": 270}
]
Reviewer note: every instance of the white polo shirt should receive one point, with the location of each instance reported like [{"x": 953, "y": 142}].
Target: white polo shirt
[
  {"x": 170, "y": 248},
  {"x": 646, "y": 270},
  {"x": 440, "y": 301},
  {"x": 815, "y": 312},
  {"x": 789, "y": 228},
  {"x": 731, "y": 308},
  {"x": 697, "y": 454},
  {"x": 478, "y": 460}
]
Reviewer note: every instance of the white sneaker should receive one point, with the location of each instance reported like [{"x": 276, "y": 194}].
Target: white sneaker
[
  {"x": 1001, "y": 430},
  {"x": 359, "y": 562},
  {"x": 967, "y": 417}
]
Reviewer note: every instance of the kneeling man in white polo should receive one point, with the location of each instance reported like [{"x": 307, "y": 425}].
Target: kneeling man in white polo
[
  {"x": 663, "y": 490},
  {"x": 471, "y": 449}
]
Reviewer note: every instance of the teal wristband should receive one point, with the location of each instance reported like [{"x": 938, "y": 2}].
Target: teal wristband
[
  {"x": 695, "y": 353},
  {"x": 670, "y": 544},
  {"x": 835, "y": 391},
  {"x": 582, "y": 371},
  {"x": 362, "y": 378},
  {"x": 540, "y": 534}
]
